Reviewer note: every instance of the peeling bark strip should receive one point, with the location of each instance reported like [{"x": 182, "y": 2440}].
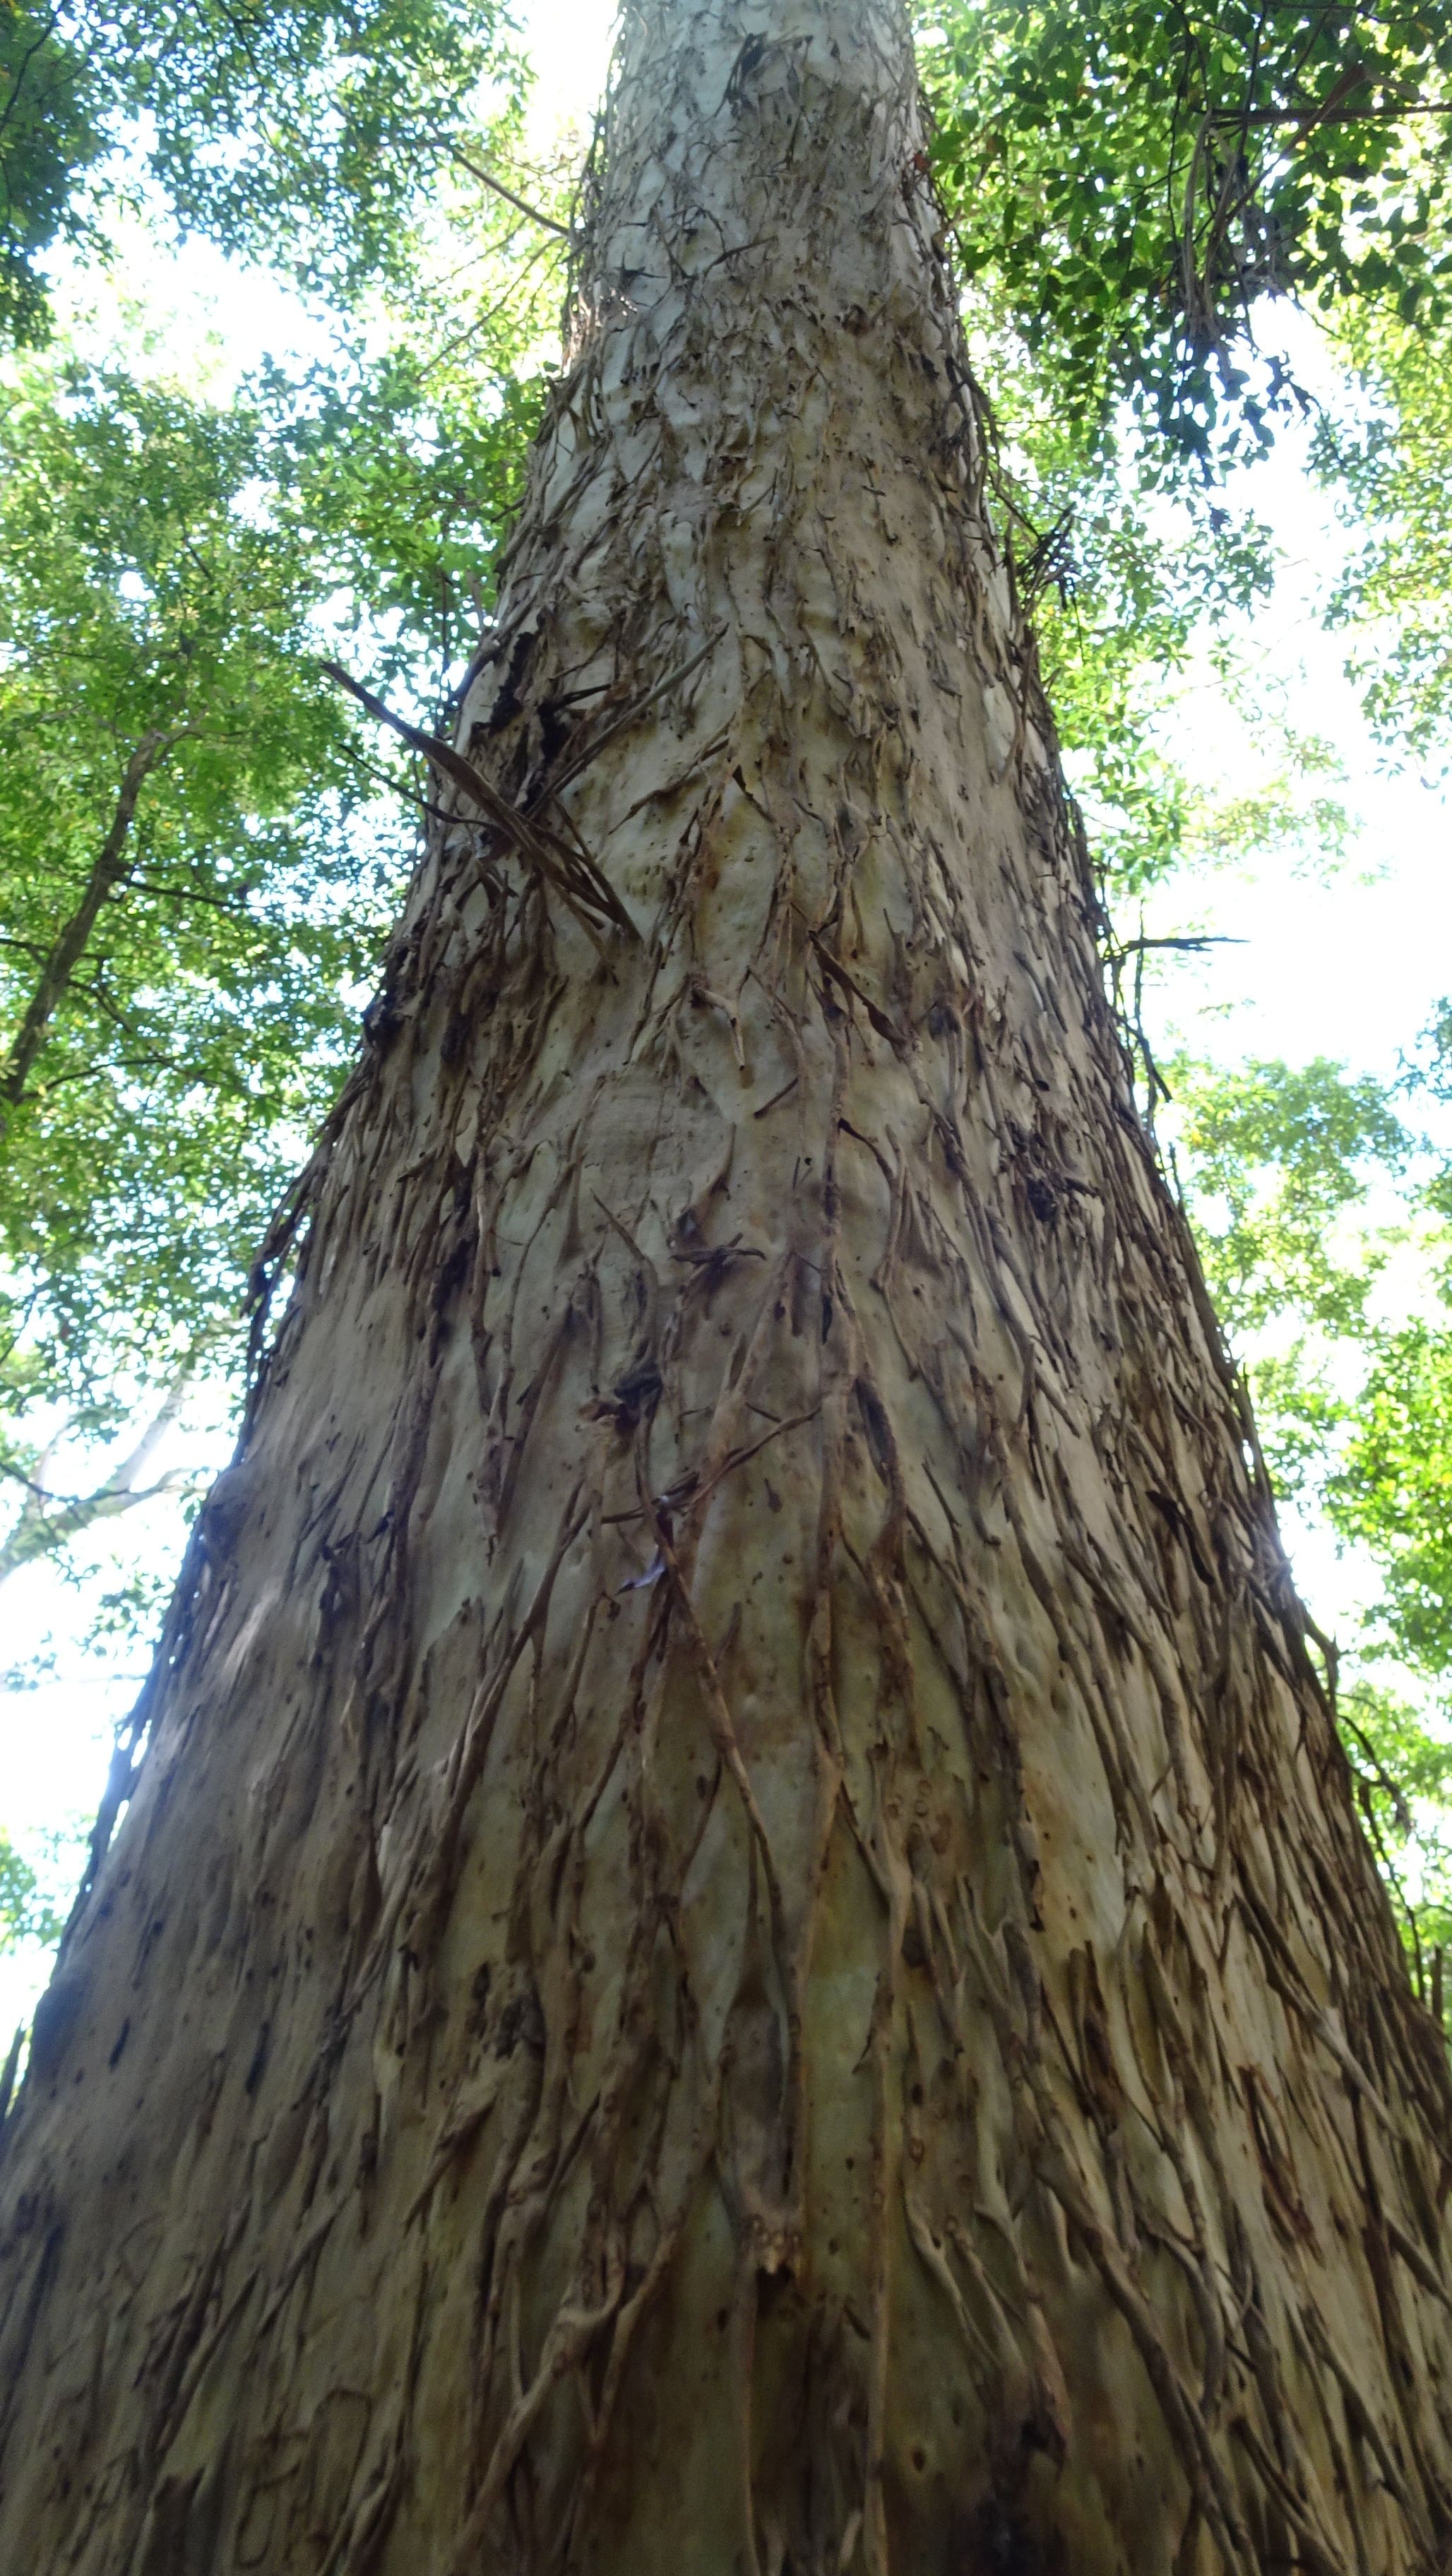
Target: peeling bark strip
[{"x": 742, "y": 1945}]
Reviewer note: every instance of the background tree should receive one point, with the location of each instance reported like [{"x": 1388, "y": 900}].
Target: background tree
[
  {"x": 1317, "y": 1214},
  {"x": 196, "y": 859}
]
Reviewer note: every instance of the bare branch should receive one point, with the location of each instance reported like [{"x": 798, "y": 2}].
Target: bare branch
[
  {"x": 476, "y": 170},
  {"x": 109, "y": 870},
  {"x": 48, "y": 1521}
]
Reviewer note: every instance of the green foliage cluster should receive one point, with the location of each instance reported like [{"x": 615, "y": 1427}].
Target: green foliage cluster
[
  {"x": 1402, "y": 1778},
  {"x": 1315, "y": 1203},
  {"x": 1131, "y": 187},
  {"x": 153, "y": 623},
  {"x": 200, "y": 848},
  {"x": 28, "y": 1911},
  {"x": 1136, "y": 594},
  {"x": 1392, "y": 1486},
  {"x": 1134, "y": 177},
  {"x": 1279, "y": 1154},
  {"x": 1120, "y": 587},
  {"x": 1385, "y": 456},
  {"x": 308, "y": 131},
  {"x": 48, "y": 141}
]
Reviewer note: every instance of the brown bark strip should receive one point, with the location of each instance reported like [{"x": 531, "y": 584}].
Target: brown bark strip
[{"x": 571, "y": 872}]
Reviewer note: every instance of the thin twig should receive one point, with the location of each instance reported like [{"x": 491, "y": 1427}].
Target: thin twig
[
  {"x": 477, "y": 170},
  {"x": 1312, "y": 115},
  {"x": 1200, "y": 939}
]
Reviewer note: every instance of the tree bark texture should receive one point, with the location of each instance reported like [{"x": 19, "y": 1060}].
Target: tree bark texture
[{"x": 741, "y": 1944}]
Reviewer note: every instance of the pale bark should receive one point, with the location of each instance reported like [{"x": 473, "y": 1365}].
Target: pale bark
[{"x": 741, "y": 1946}]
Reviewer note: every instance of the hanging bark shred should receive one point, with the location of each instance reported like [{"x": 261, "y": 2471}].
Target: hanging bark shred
[{"x": 741, "y": 1943}]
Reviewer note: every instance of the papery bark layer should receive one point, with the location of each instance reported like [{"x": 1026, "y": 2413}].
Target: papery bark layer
[{"x": 741, "y": 1944}]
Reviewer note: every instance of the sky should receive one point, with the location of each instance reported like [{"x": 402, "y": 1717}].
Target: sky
[
  {"x": 1353, "y": 966},
  {"x": 1349, "y": 966}
]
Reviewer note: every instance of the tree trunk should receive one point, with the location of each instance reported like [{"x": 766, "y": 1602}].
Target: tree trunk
[{"x": 741, "y": 1946}]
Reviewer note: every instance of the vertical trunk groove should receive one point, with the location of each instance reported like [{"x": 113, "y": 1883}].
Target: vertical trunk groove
[{"x": 741, "y": 1943}]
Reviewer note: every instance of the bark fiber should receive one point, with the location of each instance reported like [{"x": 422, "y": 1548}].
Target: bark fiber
[{"x": 740, "y": 1944}]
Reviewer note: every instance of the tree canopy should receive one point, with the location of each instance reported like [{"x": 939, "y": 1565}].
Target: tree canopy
[
  {"x": 1322, "y": 1218},
  {"x": 1135, "y": 178},
  {"x": 300, "y": 130},
  {"x": 221, "y": 851}
]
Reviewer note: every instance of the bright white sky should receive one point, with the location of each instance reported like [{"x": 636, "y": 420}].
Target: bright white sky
[{"x": 1351, "y": 967}]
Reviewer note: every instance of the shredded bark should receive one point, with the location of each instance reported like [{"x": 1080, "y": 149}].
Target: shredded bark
[{"x": 741, "y": 1942}]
